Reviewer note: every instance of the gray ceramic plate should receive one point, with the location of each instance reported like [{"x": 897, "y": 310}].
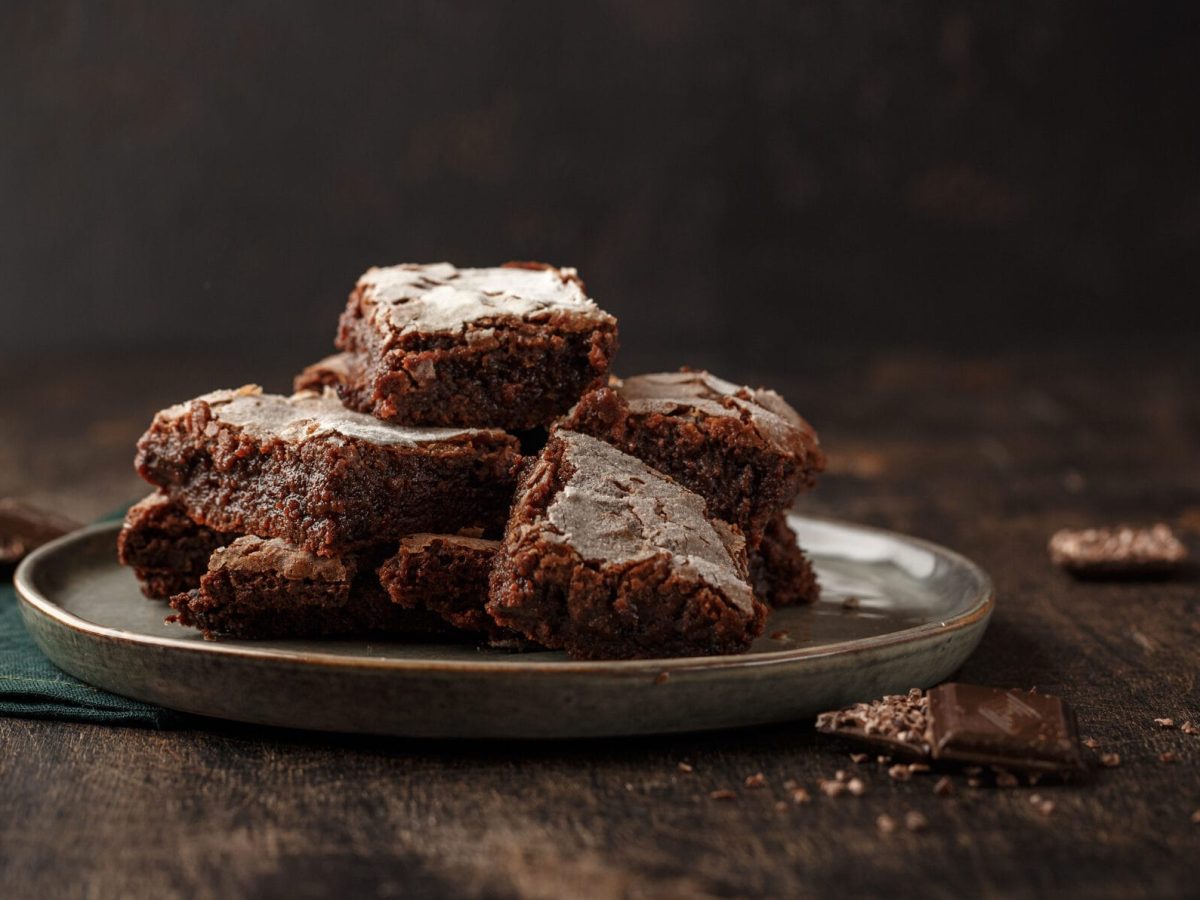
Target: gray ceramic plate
[{"x": 922, "y": 610}]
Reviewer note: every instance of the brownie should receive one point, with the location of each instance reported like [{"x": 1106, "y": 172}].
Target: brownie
[
  {"x": 447, "y": 575},
  {"x": 745, "y": 451},
  {"x": 331, "y": 481},
  {"x": 167, "y": 550},
  {"x": 780, "y": 572},
  {"x": 332, "y": 371},
  {"x": 607, "y": 558},
  {"x": 267, "y": 588},
  {"x": 511, "y": 347}
]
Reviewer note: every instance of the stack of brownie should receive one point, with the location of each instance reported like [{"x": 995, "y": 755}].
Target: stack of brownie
[{"x": 466, "y": 464}]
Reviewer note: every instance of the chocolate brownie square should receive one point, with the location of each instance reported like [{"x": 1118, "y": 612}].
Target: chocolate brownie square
[
  {"x": 447, "y": 575},
  {"x": 257, "y": 588},
  {"x": 167, "y": 550},
  {"x": 745, "y": 451},
  {"x": 331, "y": 481},
  {"x": 511, "y": 347},
  {"x": 606, "y": 558},
  {"x": 780, "y": 572}
]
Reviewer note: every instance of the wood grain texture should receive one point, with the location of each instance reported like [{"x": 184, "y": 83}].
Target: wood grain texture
[{"x": 987, "y": 456}]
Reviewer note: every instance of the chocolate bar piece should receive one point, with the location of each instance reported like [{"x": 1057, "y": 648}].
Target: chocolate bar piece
[
  {"x": 24, "y": 528},
  {"x": 897, "y": 724},
  {"x": 1118, "y": 552},
  {"x": 967, "y": 725},
  {"x": 1011, "y": 730}
]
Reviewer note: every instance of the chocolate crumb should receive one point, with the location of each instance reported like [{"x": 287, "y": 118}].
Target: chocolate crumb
[
  {"x": 832, "y": 788},
  {"x": 1165, "y": 723},
  {"x": 856, "y": 787},
  {"x": 899, "y": 773},
  {"x": 944, "y": 786},
  {"x": 1110, "y": 759},
  {"x": 897, "y": 722},
  {"x": 686, "y": 767},
  {"x": 883, "y": 760},
  {"x": 859, "y": 758},
  {"x": 779, "y": 636},
  {"x": 756, "y": 781},
  {"x": 1006, "y": 779},
  {"x": 1091, "y": 743},
  {"x": 1167, "y": 757},
  {"x": 801, "y": 796},
  {"x": 915, "y": 821},
  {"x": 886, "y": 824},
  {"x": 1189, "y": 728},
  {"x": 662, "y": 677},
  {"x": 791, "y": 784},
  {"x": 723, "y": 794},
  {"x": 1045, "y": 807},
  {"x": 840, "y": 775},
  {"x": 918, "y": 768}
]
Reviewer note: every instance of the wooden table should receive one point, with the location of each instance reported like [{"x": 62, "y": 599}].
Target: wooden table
[{"x": 989, "y": 456}]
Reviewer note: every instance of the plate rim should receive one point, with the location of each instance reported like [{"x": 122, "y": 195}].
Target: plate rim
[{"x": 977, "y": 613}]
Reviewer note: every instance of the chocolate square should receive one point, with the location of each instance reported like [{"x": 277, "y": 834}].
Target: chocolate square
[{"x": 1004, "y": 729}]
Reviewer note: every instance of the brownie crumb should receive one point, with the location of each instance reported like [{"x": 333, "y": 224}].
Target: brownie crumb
[
  {"x": 1091, "y": 743},
  {"x": 885, "y": 823},
  {"x": 756, "y": 781},
  {"x": 1111, "y": 760},
  {"x": 832, "y": 788},
  {"x": 1189, "y": 728},
  {"x": 1122, "y": 551},
  {"x": 801, "y": 797},
  {"x": 662, "y": 677},
  {"x": 915, "y": 821},
  {"x": 899, "y": 773},
  {"x": 856, "y": 787},
  {"x": 723, "y": 794},
  {"x": 780, "y": 636},
  {"x": 1165, "y": 723},
  {"x": 1043, "y": 806},
  {"x": 944, "y": 786},
  {"x": 1006, "y": 779}
]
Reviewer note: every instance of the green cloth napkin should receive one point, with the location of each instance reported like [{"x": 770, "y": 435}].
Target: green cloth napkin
[{"x": 32, "y": 688}]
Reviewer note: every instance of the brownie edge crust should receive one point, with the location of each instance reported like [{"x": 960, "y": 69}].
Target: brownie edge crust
[{"x": 607, "y": 558}]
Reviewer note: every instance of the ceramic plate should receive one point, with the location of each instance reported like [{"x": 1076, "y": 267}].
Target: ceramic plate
[{"x": 921, "y": 611}]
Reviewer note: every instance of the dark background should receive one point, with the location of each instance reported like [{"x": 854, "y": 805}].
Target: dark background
[{"x": 740, "y": 183}]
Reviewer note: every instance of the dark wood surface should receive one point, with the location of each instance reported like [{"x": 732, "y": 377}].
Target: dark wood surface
[{"x": 988, "y": 456}]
